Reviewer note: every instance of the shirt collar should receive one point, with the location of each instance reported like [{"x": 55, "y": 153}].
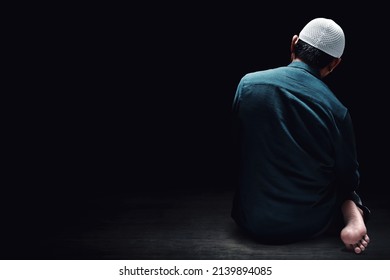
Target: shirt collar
[{"x": 304, "y": 66}]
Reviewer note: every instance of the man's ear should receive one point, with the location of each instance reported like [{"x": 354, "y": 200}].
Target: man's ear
[
  {"x": 294, "y": 41},
  {"x": 333, "y": 64},
  {"x": 326, "y": 70}
]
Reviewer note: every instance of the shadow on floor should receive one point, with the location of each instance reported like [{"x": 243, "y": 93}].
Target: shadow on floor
[{"x": 181, "y": 226}]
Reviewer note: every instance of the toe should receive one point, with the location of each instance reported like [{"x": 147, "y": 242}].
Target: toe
[{"x": 357, "y": 249}]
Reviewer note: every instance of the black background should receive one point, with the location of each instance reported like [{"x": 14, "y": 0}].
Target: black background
[{"x": 136, "y": 100}]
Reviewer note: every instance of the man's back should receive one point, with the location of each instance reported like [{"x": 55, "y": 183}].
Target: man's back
[{"x": 294, "y": 137}]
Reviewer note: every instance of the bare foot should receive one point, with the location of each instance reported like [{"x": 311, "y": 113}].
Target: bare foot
[{"x": 354, "y": 234}]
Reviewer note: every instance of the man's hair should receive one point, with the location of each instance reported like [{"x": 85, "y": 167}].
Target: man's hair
[{"x": 311, "y": 55}]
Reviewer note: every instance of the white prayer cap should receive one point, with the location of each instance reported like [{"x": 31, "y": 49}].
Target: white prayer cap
[{"x": 325, "y": 35}]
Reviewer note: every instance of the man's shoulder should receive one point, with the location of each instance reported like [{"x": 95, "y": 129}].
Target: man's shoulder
[
  {"x": 264, "y": 76},
  {"x": 267, "y": 72}
]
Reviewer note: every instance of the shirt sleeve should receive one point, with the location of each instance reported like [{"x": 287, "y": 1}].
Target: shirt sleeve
[{"x": 347, "y": 166}]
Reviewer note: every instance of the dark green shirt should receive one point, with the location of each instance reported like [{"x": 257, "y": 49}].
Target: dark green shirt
[{"x": 297, "y": 154}]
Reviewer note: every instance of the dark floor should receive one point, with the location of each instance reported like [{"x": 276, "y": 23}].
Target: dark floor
[{"x": 193, "y": 225}]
